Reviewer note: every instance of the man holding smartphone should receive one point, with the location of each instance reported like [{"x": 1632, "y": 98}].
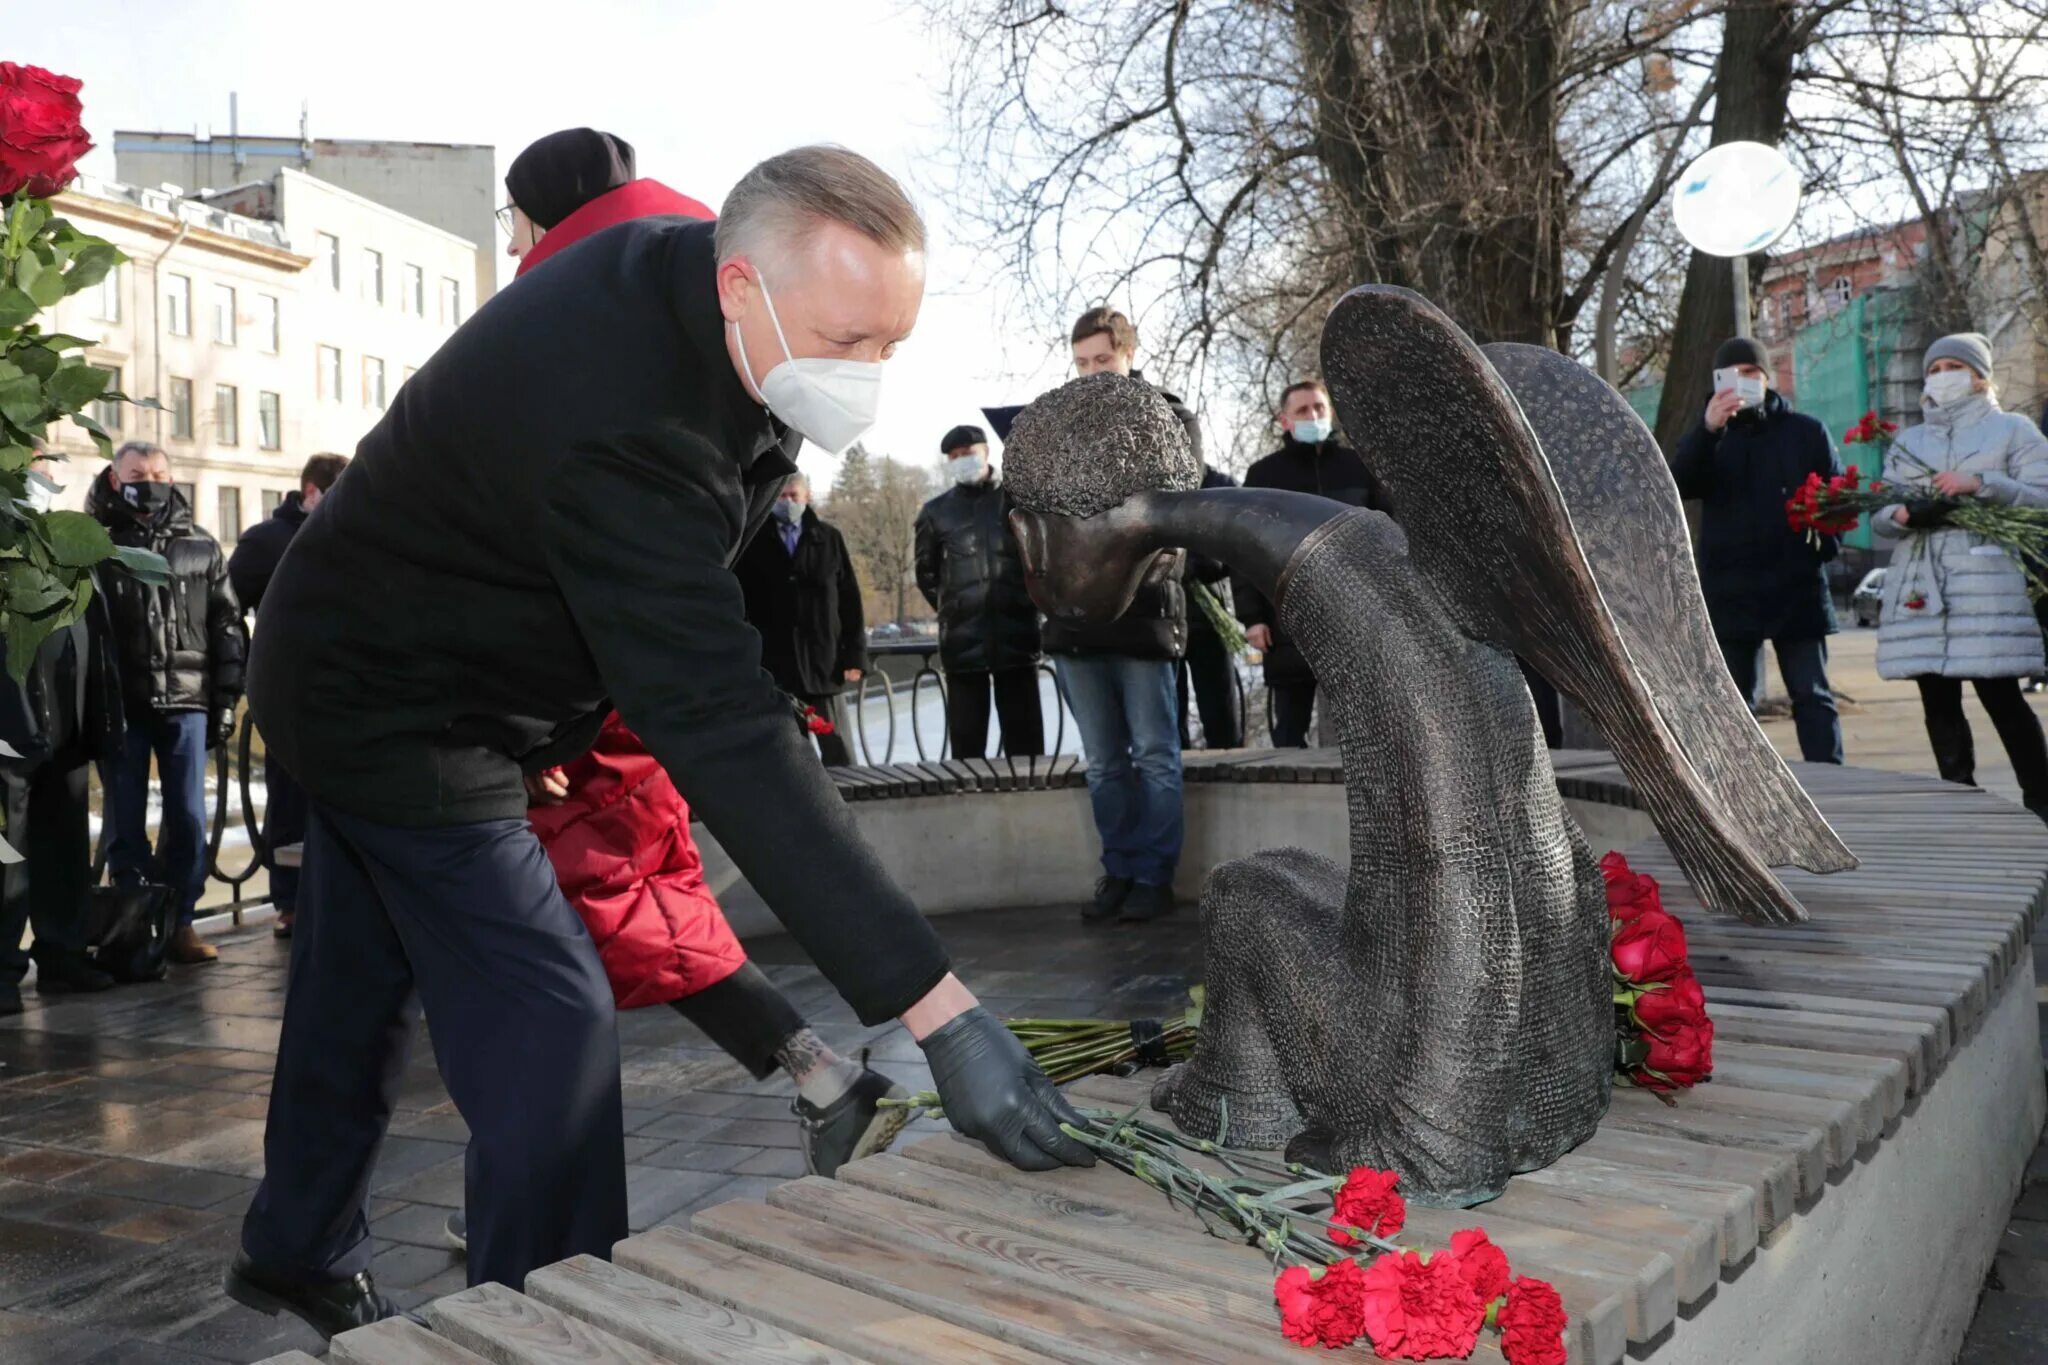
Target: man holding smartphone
[{"x": 1763, "y": 581}]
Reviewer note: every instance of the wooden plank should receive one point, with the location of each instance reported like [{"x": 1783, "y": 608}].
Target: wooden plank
[
  {"x": 987, "y": 1299},
  {"x": 1772, "y": 1177},
  {"x": 1822, "y": 1000},
  {"x": 1728, "y": 1207},
  {"x": 827, "y": 1312},
  {"x": 1143, "y": 1290},
  {"x": 1840, "y": 981},
  {"x": 1884, "y": 1077},
  {"x": 1636, "y": 1111},
  {"x": 396, "y": 1341},
  {"x": 1689, "y": 1240},
  {"x": 506, "y": 1328},
  {"x": 667, "y": 1321},
  {"x": 1913, "y": 1045}
]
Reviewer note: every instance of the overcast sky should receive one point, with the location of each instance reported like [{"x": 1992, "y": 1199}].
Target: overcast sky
[{"x": 703, "y": 89}]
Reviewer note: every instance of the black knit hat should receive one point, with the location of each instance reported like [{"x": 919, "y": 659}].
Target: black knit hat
[
  {"x": 960, "y": 437},
  {"x": 1742, "y": 351},
  {"x": 564, "y": 171}
]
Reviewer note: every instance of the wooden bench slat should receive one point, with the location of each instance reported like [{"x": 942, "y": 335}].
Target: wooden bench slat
[
  {"x": 1888, "y": 1075},
  {"x": 667, "y": 1320},
  {"x": 1729, "y": 1207},
  {"x": 1639, "y": 1112},
  {"x": 507, "y": 1328},
  {"x": 397, "y": 1341}
]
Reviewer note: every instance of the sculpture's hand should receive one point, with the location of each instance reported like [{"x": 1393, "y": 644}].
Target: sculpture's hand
[{"x": 993, "y": 1092}]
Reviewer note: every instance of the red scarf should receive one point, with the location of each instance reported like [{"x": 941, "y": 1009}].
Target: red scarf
[{"x": 634, "y": 199}]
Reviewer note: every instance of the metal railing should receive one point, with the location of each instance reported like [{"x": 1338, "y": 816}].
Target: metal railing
[{"x": 925, "y": 651}]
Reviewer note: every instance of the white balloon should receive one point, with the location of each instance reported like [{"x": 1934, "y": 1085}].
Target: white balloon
[{"x": 1736, "y": 198}]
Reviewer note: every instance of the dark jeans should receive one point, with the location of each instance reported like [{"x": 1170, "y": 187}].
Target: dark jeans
[
  {"x": 746, "y": 1016},
  {"x": 2019, "y": 729},
  {"x": 467, "y": 921},
  {"x": 1124, "y": 708},
  {"x": 1294, "y": 707},
  {"x": 836, "y": 748},
  {"x": 1804, "y": 662},
  {"x": 48, "y": 824},
  {"x": 1017, "y": 708},
  {"x": 1207, "y": 672},
  {"x": 178, "y": 739},
  {"x": 284, "y": 822}
]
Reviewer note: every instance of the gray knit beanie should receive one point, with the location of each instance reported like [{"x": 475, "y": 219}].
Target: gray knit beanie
[{"x": 1972, "y": 348}]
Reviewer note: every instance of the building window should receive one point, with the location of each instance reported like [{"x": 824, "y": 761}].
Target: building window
[
  {"x": 178, "y": 304},
  {"x": 1838, "y": 292},
  {"x": 272, "y": 500},
  {"x": 269, "y": 324},
  {"x": 106, "y": 297},
  {"x": 414, "y": 300},
  {"x": 373, "y": 383},
  {"x": 224, "y": 314},
  {"x": 107, "y": 411},
  {"x": 327, "y": 250},
  {"x": 330, "y": 373},
  {"x": 451, "y": 302},
  {"x": 269, "y": 421},
  {"x": 181, "y": 409},
  {"x": 373, "y": 275},
  {"x": 230, "y": 515},
  {"x": 189, "y": 492},
  {"x": 227, "y": 402}
]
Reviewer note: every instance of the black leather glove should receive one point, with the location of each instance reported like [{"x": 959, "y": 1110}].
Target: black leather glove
[
  {"x": 222, "y": 729},
  {"x": 993, "y": 1092},
  {"x": 1925, "y": 514}
]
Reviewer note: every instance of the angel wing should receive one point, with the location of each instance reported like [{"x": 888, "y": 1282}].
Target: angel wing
[{"x": 1492, "y": 530}]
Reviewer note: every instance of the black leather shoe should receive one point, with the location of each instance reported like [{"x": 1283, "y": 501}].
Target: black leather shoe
[
  {"x": 1147, "y": 902},
  {"x": 10, "y": 1001},
  {"x": 851, "y": 1127},
  {"x": 328, "y": 1307},
  {"x": 1109, "y": 898}
]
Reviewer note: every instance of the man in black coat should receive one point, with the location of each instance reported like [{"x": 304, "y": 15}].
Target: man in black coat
[
  {"x": 540, "y": 529},
  {"x": 968, "y": 570},
  {"x": 1209, "y": 671},
  {"x": 1309, "y": 460},
  {"x": 1763, "y": 580},
  {"x": 181, "y": 647},
  {"x": 256, "y": 557},
  {"x": 62, "y": 717},
  {"x": 804, "y": 598}
]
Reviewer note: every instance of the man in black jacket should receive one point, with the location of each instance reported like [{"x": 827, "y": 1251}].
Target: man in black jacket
[
  {"x": 181, "y": 646},
  {"x": 256, "y": 557},
  {"x": 542, "y": 528},
  {"x": 1209, "y": 671},
  {"x": 804, "y": 598},
  {"x": 57, "y": 721},
  {"x": 967, "y": 568},
  {"x": 1119, "y": 680},
  {"x": 1762, "y": 579},
  {"x": 1309, "y": 460}
]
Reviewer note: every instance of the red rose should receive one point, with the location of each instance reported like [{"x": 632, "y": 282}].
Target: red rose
[
  {"x": 1629, "y": 892},
  {"x": 1532, "y": 1324},
  {"x": 1678, "y": 1004},
  {"x": 1368, "y": 1201},
  {"x": 1650, "y": 947},
  {"x": 1486, "y": 1265},
  {"x": 1417, "y": 1309},
  {"x": 41, "y": 138},
  {"x": 1321, "y": 1307},
  {"x": 1681, "y": 1057}
]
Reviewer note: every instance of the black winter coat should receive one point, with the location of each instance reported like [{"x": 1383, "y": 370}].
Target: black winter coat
[
  {"x": 806, "y": 606},
  {"x": 1210, "y": 573},
  {"x": 181, "y": 645},
  {"x": 1762, "y": 579},
  {"x": 70, "y": 703},
  {"x": 261, "y": 548},
  {"x": 1328, "y": 470},
  {"x": 968, "y": 570}
]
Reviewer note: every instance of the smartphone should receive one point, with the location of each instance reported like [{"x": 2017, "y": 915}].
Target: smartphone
[{"x": 1750, "y": 390}]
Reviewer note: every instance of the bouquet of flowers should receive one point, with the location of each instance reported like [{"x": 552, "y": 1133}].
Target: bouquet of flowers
[{"x": 1663, "y": 1038}]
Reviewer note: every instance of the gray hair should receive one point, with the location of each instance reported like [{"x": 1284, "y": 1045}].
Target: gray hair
[
  {"x": 777, "y": 204},
  {"x": 799, "y": 479},
  {"x": 146, "y": 449}
]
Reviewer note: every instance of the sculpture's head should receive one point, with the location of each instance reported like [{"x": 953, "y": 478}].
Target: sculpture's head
[{"x": 1078, "y": 464}]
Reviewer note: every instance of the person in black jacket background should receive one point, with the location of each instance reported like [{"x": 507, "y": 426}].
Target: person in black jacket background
[
  {"x": 65, "y": 714},
  {"x": 181, "y": 647},
  {"x": 1763, "y": 581},
  {"x": 250, "y": 567},
  {"x": 1208, "y": 671},
  {"x": 1309, "y": 460},
  {"x": 804, "y": 598},
  {"x": 968, "y": 570}
]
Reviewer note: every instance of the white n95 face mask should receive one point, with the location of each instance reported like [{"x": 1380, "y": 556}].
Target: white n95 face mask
[
  {"x": 830, "y": 403},
  {"x": 965, "y": 469}
]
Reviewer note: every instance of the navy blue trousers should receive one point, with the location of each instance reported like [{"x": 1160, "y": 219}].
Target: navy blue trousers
[{"x": 467, "y": 922}]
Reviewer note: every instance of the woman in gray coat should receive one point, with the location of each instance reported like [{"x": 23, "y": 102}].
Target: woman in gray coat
[{"x": 1956, "y": 607}]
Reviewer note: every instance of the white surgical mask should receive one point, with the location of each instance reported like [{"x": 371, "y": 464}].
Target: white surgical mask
[
  {"x": 789, "y": 510},
  {"x": 1312, "y": 431},
  {"x": 965, "y": 468},
  {"x": 830, "y": 403},
  {"x": 1950, "y": 386},
  {"x": 41, "y": 496}
]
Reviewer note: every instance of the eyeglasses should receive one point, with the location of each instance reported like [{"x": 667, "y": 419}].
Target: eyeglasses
[{"x": 504, "y": 217}]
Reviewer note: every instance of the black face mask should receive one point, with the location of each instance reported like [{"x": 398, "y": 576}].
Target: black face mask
[{"x": 147, "y": 499}]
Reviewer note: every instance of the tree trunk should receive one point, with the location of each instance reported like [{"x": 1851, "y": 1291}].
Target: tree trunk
[{"x": 1759, "y": 44}]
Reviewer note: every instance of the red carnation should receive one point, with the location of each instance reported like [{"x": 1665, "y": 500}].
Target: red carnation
[
  {"x": 1486, "y": 1265},
  {"x": 1368, "y": 1201},
  {"x": 41, "y": 137},
  {"x": 1680, "y": 1057},
  {"x": 1321, "y": 1307},
  {"x": 1418, "y": 1310},
  {"x": 1650, "y": 947},
  {"x": 1532, "y": 1324},
  {"x": 1629, "y": 892}
]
